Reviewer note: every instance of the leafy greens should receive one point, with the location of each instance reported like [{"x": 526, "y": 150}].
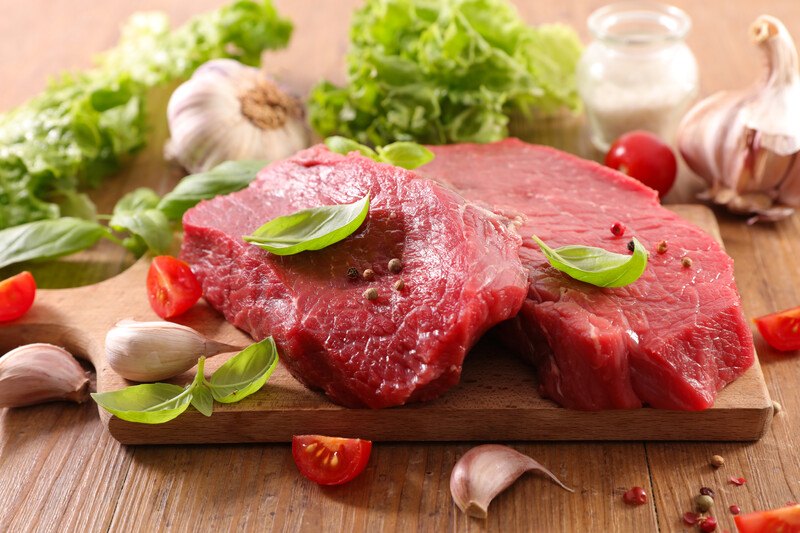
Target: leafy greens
[
  {"x": 82, "y": 126},
  {"x": 446, "y": 71}
]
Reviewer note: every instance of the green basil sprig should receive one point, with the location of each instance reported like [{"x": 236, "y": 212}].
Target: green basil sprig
[
  {"x": 403, "y": 154},
  {"x": 225, "y": 178},
  {"x": 310, "y": 229},
  {"x": 136, "y": 213},
  {"x": 596, "y": 265},
  {"x": 156, "y": 403},
  {"x": 48, "y": 239}
]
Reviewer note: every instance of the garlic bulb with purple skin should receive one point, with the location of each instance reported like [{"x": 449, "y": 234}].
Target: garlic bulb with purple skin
[
  {"x": 227, "y": 112},
  {"x": 745, "y": 143}
]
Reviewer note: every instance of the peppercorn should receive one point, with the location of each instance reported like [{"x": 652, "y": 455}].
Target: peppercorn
[
  {"x": 399, "y": 285},
  {"x": 352, "y": 273},
  {"x": 631, "y": 246},
  {"x": 368, "y": 274},
  {"x": 617, "y": 229},
  {"x": 706, "y": 491},
  {"x": 708, "y": 525},
  {"x": 703, "y": 503},
  {"x": 371, "y": 294},
  {"x": 717, "y": 461},
  {"x": 395, "y": 266},
  {"x": 661, "y": 247},
  {"x": 735, "y": 509},
  {"x": 686, "y": 261}
]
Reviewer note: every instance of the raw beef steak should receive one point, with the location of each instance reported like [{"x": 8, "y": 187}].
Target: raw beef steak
[
  {"x": 671, "y": 340},
  {"x": 461, "y": 270}
]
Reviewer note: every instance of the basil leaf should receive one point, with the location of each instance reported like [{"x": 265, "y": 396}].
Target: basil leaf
[
  {"x": 310, "y": 229},
  {"x": 137, "y": 200},
  {"x": 244, "y": 373},
  {"x": 405, "y": 154},
  {"x": 48, "y": 239},
  {"x": 225, "y": 178},
  {"x": 596, "y": 265},
  {"x": 151, "y": 225},
  {"x": 150, "y": 403},
  {"x": 343, "y": 145},
  {"x": 202, "y": 399}
]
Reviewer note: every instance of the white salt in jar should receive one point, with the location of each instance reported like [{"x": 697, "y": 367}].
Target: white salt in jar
[{"x": 638, "y": 73}]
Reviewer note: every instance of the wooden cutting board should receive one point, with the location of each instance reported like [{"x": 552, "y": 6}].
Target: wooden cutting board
[{"x": 495, "y": 401}]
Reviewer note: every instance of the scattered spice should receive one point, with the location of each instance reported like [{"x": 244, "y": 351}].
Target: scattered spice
[
  {"x": 371, "y": 294},
  {"x": 617, "y": 229},
  {"x": 661, "y": 247},
  {"x": 738, "y": 481},
  {"x": 399, "y": 285},
  {"x": 686, "y": 261},
  {"x": 708, "y": 524},
  {"x": 691, "y": 518},
  {"x": 635, "y": 496},
  {"x": 631, "y": 246},
  {"x": 352, "y": 273},
  {"x": 735, "y": 509},
  {"x": 395, "y": 266},
  {"x": 703, "y": 503},
  {"x": 368, "y": 274},
  {"x": 776, "y": 407},
  {"x": 707, "y": 491},
  {"x": 717, "y": 461}
]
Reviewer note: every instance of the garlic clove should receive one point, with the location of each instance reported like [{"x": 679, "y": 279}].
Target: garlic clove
[
  {"x": 37, "y": 373},
  {"x": 151, "y": 351},
  {"x": 485, "y": 471}
]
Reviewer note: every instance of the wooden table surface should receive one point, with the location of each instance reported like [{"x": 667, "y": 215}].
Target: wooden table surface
[{"x": 60, "y": 471}]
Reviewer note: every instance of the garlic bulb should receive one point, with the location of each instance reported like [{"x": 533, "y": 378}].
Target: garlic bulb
[
  {"x": 485, "y": 471},
  {"x": 745, "y": 143},
  {"x": 37, "y": 373},
  {"x": 229, "y": 111},
  {"x": 150, "y": 351}
]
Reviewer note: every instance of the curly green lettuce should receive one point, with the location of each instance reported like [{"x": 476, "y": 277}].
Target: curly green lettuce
[
  {"x": 441, "y": 71},
  {"x": 83, "y": 125}
]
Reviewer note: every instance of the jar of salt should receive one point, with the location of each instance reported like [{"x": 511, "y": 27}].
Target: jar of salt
[{"x": 638, "y": 73}]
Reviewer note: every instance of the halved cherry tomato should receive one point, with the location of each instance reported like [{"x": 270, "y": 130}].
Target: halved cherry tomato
[
  {"x": 781, "y": 330},
  {"x": 783, "y": 520},
  {"x": 642, "y": 155},
  {"x": 16, "y": 296},
  {"x": 330, "y": 460},
  {"x": 172, "y": 287}
]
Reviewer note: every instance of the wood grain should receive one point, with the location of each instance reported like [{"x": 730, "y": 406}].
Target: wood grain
[{"x": 52, "y": 457}]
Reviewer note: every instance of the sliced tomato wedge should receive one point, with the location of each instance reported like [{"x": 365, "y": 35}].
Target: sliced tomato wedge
[
  {"x": 16, "y": 296},
  {"x": 172, "y": 287},
  {"x": 783, "y": 520},
  {"x": 330, "y": 460},
  {"x": 781, "y": 330}
]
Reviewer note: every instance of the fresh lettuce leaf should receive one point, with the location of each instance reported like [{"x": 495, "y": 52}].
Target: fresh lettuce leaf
[{"x": 445, "y": 71}]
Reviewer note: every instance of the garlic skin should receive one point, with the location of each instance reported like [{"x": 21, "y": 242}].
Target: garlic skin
[
  {"x": 151, "y": 351},
  {"x": 485, "y": 471},
  {"x": 228, "y": 111},
  {"x": 745, "y": 143},
  {"x": 38, "y": 373}
]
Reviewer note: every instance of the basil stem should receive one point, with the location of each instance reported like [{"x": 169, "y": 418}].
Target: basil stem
[
  {"x": 595, "y": 265},
  {"x": 310, "y": 229}
]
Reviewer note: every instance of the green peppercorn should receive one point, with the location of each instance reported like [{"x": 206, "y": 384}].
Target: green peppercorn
[{"x": 703, "y": 502}]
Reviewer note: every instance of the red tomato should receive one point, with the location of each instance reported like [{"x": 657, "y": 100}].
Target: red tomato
[
  {"x": 172, "y": 287},
  {"x": 781, "y": 330},
  {"x": 16, "y": 296},
  {"x": 642, "y": 155},
  {"x": 783, "y": 520},
  {"x": 330, "y": 460}
]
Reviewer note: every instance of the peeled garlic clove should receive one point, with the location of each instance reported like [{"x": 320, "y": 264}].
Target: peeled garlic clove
[
  {"x": 38, "y": 373},
  {"x": 229, "y": 111},
  {"x": 151, "y": 351},
  {"x": 486, "y": 471}
]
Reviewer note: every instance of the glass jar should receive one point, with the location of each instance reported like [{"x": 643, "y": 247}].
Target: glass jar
[{"x": 638, "y": 72}]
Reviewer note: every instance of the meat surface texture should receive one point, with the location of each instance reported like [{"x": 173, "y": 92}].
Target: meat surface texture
[
  {"x": 461, "y": 271},
  {"x": 670, "y": 340}
]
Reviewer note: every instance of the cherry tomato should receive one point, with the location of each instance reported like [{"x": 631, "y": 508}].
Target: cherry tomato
[
  {"x": 330, "y": 460},
  {"x": 783, "y": 520},
  {"x": 781, "y": 330},
  {"x": 642, "y": 155},
  {"x": 16, "y": 296},
  {"x": 172, "y": 287}
]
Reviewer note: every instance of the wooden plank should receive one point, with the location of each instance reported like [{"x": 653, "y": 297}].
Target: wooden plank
[{"x": 508, "y": 408}]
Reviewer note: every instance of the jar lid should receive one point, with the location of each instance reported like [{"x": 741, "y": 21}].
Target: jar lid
[{"x": 639, "y": 23}]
